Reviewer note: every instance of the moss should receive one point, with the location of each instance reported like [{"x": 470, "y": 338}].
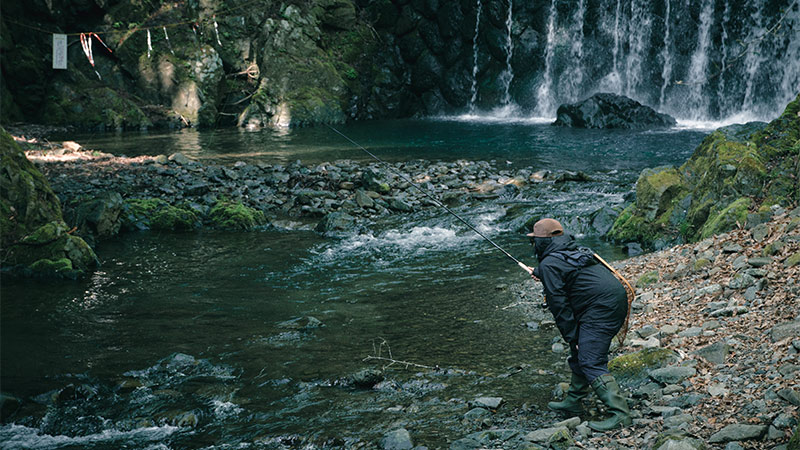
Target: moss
[
  {"x": 656, "y": 189},
  {"x": 634, "y": 364},
  {"x": 50, "y": 267},
  {"x": 792, "y": 260},
  {"x": 159, "y": 215},
  {"x": 632, "y": 226},
  {"x": 733, "y": 214},
  {"x": 236, "y": 216},
  {"x": 47, "y": 233},
  {"x": 701, "y": 263},
  {"x": 647, "y": 279}
]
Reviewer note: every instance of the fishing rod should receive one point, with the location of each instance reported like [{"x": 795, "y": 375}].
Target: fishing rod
[{"x": 430, "y": 196}]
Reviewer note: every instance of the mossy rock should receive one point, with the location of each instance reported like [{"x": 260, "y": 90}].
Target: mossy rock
[
  {"x": 647, "y": 279},
  {"x": 43, "y": 251},
  {"x": 49, "y": 268},
  {"x": 635, "y": 365},
  {"x": 156, "y": 214},
  {"x": 701, "y": 263},
  {"x": 680, "y": 440},
  {"x": 727, "y": 219},
  {"x": 656, "y": 189},
  {"x": 236, "y": 216},
  {"x": 792, "y": 260}
]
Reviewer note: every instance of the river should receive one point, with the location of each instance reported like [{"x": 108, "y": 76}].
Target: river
[{"x": 247, "y": 340}]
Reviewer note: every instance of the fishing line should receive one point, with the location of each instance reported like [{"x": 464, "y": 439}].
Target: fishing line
[{"x": 433, "y": 198}]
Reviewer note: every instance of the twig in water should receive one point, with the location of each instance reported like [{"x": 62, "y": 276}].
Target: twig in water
[{"x": 377, "y": 357}]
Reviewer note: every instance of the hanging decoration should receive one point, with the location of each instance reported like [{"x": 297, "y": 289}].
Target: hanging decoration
[
  {"x": 149, "y": 44},
  {"x": 168, "y": 43},
  {"x": 216, "y": 30},
  {"x": 86, "y": 44}
]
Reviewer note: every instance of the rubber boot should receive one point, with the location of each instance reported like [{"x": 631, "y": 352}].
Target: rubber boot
[
  {"x": 607, "y": 389},
  {"x": 578, "y": 390}
]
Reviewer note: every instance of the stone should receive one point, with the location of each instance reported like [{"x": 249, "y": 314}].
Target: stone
[
  {"x": 487, "y": 402},
  {"x": 732, "y": 247},
  {"x": 760, "y": 232},
  {"x": 669, "y": 330},
  {"x": 336, "y": 222},
  {"x": 681, "y": 443},
  {"x": 605, "y": 110},
  {"x": 691, "y": 332},
  {"x": 738, "y": 432},
  {"x": 790, "y": 395},
  {"x": 678, "y": 420},
  {"x": 366, "y": 378},
  {"x": 364, "y": 200},
  {"x": 179, "y": 158},
  {"x": 785, "y": 330},
  {"x": 672, "y": 374},
  {"x": 717, "y": 390},
  {"x": 570, "y": 423},
  {"x": 665, "y": 411},
  {"x": 716, "y": 353},
  {"x": 399, "y": 439},
  {"x": 545, "y": 434},
  {"x": 759, "y": 261}
]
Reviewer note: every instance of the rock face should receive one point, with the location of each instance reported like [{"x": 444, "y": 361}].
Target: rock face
[
  {"x": 610, "y": 111},
  {"x": 726, "y": 179},
  {"x": 35, "y": 238}
]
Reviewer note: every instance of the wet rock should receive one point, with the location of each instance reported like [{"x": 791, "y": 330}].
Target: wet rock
[
  {"x": 366, "y": 378},
  {"x": 738, "y": 432},
  {"x": 100, "y": 216},
  {"x": 487, "y": 402},
  {"x": 9, "y": 405},
  {"x": 610, "y": 111},
  {"x": 399, "y": 439},
  {"x": 578, "y": 176},
  {"x": 301, "y": 324},
  {"x": 336, "y": 222}
]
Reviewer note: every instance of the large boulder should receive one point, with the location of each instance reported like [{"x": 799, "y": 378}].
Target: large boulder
[{"x": 611, "y": 111}]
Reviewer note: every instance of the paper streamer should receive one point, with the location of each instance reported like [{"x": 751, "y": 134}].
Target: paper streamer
[
  {"x": 149, "y": 44},
  {"x": 168, "y": 43},
  {"x": 216, "y": 30},
  {"x": 59, "y": 51},
  {"x": 86, "y": 44}
]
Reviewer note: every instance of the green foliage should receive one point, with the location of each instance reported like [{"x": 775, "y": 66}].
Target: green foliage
[
  {"x": 236, "y": 216},
  {"x": 794, "y": 442}
]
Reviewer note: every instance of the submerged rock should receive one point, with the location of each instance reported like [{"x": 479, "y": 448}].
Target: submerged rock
[{"x": 611, "y": 111}]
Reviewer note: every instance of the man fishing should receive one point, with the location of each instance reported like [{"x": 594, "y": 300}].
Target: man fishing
[{"x": 589, "y": 305}]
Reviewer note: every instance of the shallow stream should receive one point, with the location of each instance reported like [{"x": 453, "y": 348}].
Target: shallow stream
[{"x": 248, "y": 340}]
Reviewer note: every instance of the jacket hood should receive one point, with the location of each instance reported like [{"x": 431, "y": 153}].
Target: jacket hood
[{"x": 546, "y": 246}]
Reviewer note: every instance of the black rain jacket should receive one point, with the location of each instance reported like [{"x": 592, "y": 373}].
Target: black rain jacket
[{"x": 577, "y": 287}]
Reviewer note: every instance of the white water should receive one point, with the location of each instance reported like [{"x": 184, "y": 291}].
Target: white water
[
  {"x": 508, "y": 74},
  {"x": 753, "y": 58},
  {"x": 697, "y": 78},
  {"x": 21, "y": 437},
  {"x": 571, "y": 85},
  {"x": 613, "y": 81},
  {"x": 666, "y": 56},
  {"x": 726, "y": 15},
  {"x": 638, "y": 40},
  {"x": 474, "y": 88},
  {"x": 544, "y": 95}
]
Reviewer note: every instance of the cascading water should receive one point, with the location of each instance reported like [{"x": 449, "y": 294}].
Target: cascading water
[
  {"x": 474, "y": 90},
  {"x": 726, "y": 17},
  {"x": 637, "y": 45},
  {"x": 666, "y": 56},
  {"x": 544, "y": 94},
  {"x": 508, "y": 74},
  {"x": 697, "y": 101},
  {"x": 570, "y": 85},
  {"x": 753, "y": 58}
]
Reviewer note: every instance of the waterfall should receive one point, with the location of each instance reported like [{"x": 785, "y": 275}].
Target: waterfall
[
  {"x": 571, "y": 85},
  {"x": 612, "y": 82},
  {"x": 508, "y": 74},
  {"x": 544, "y": 95},
  {"x": 638, "y": 40},
  {"x": 475, "y": 58},
  {"x": 753, "y": 57},
  {"x": 697, "y": 77},
  {"x": 666, "y": 56},
  {"x": 726, "y": 17}
]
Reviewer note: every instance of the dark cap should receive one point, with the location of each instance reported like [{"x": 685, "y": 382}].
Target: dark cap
[{"x": 546, "y": 228}]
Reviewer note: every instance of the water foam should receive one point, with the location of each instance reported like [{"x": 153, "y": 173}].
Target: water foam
[{"x": 21, "y": 437}]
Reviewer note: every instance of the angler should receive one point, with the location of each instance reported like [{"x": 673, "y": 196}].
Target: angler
[{"x": 590, "y": 306}]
